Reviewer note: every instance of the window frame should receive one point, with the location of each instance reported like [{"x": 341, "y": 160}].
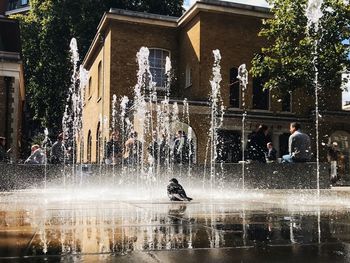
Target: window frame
[{"x": 163, "y": 78}]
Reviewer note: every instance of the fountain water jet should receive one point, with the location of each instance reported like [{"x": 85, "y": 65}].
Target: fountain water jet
[
  {"x": 243, "y": 82},
  {"x": 216, "y": 115}
]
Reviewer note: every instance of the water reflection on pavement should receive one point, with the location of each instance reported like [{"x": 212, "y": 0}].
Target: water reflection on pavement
[{"x": 161, "y": 231}]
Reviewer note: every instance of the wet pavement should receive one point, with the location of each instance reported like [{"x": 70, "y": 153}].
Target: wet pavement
[{"x": 257, "y": 227}]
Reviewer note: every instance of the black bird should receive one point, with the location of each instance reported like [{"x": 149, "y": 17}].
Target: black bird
[{"x": 176, "y": 192}]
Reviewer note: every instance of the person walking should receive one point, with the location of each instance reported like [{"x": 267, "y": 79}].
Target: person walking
[{"x": 57, "y": 151}]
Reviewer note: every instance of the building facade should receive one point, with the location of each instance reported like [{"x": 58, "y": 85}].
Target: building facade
[
  {"x": 11, "y": 85},
  {"x": 189, "y": 41}
]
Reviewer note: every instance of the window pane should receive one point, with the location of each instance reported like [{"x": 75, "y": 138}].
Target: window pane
[
  {"x": 157, "y": 60},
  {"x": 260, "y": 96}
]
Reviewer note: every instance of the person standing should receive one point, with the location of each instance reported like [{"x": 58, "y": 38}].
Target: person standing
[
  {"x": 133, "y": 150},
  {"x": 164, "y": 150},
  {"x": 4, "y": 158},
  {"x": 335, "y": 159},
  {"x": 57, "y": 151},
  {"x": 257, "y": 144},
  {"x": 153, "y": 148},
  {"x": 299, "y": 145},
  {"x": 113, "y": 149}
]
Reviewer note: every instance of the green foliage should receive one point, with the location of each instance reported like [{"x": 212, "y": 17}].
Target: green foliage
[
  {"x": 46, "y": 32},
  {"x": 288, "y": 58}
]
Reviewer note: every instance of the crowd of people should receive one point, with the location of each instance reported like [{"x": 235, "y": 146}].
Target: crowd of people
[
  {"x": 178, "y": 149},
  {"x": 160, "y": 150}
]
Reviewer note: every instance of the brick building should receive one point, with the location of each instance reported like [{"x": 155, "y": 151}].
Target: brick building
[
  {"x": 189, "y": 40},
  {"x": 12, "y": 91}
]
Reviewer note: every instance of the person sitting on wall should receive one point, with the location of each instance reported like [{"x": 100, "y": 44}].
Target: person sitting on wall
[
  {"x": 113, "y": 149},
  {"x": 176, "y": 191},
  {"x": 271, "y": 155},
  {"x": 57, "y": 151},
  {"x": 4, "y": 155},
  {"x": 37, "y": 155},
  {"x": 299, "y": 145}
]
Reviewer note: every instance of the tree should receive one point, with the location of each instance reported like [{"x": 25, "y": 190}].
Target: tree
[
  {"x": 45, "y": 48},
  {"x": 288, "y": 58},
  {"x": 46, "y": 32}
]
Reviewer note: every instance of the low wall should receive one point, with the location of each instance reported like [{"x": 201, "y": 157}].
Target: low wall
[{"x": 256, "y": 175}]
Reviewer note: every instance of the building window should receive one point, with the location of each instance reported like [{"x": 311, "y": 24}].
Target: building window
[
  {"x": 24, "y": 2},
  {"x": 100, "y": 80},
  {"x": 89, "y": 145},
  {"x": 157, "y": 60},
  {"x": 188, "y": 76},
  {"x": 234, "y": 88},
  {"x": 261, "y": 97},
  {"x": 286, "y": 102}
]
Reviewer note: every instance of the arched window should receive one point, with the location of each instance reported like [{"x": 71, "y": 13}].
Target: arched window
[
  {"x": 100, "y": 80},
  {"x": 188, "y": 76},
  {"x": 98, "y": 143},
  {"x": 89, "y": 145},
  {"x": 234, "y": 88},
  {"x": 157, "y": 60}
]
